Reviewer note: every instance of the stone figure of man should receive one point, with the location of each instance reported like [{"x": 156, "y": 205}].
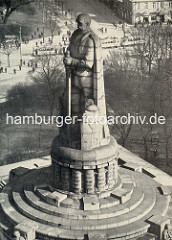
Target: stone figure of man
[
  {"x": 84, "y": 75},
  {"x": 81, "y": 59}
]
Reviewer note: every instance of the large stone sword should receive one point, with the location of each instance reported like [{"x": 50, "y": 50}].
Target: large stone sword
[
  {"x": 68, "y": 85},
  {"x": 68, "y": 93}
]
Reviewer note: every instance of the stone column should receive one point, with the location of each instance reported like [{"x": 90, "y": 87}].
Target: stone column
[
  {"x": 65, "y": 178},
  {"x": 56, "y": 177},
  {"x": 115, "y": 171},
  {"x": 90, "y": 181},
  {"x": 76, "y": 181},
  {"x": 110, "y": 177},
  {"x": 101, "y": 179}
]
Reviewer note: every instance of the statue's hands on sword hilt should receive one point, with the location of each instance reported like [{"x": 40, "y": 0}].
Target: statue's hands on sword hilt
[{"x": 67, "y": 60}]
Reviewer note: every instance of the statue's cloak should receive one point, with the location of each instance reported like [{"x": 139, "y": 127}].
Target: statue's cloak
[{"x": 98, "y": 79}]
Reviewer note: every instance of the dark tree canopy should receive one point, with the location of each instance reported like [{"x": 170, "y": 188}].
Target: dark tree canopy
[{"x": 9, "y": 6}]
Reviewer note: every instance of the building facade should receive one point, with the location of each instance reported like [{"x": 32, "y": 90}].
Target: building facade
[{"x": 138, "y": 11}]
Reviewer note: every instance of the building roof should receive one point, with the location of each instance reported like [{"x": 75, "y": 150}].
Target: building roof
[{"x": 150, "y": 1}]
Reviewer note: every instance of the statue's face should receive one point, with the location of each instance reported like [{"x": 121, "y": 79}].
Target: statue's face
[
  {"x": 82, "y": 25},
  {"x": 83, "y": 21}
]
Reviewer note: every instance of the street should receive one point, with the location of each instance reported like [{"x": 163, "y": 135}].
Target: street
[{"x": 102, "y": 17}]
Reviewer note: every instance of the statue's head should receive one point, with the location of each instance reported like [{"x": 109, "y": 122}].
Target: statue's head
[{"x": 83, "y": 21}]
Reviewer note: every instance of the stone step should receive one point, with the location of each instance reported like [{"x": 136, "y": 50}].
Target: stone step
[
  {"x": 34, "y": 201},
  {"x": 114, "y": 200},
  {"x": 43, "y": 230},
  {"x": 14, "y": 216},
  {"x": 161, "y": 201},
  {"x": 84, "y": 224},
  {"x": 104, "y": 202},
  {"x": 125, "y": 232},
  {"x": 44, "y": 195},
  {"x": 45, "y": 192},
  {"x": 77, "y": 228},
  {"x": 130, "y": 230}
]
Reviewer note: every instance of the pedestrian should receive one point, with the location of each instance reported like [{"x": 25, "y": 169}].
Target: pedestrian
[
  {"x": 28, "y": 64},
  {"x": 24, "y": 62},
  {"x": 14, "y": 70},
  {"x": 37, "y": 29},
  {"x": 19, "y": 67},
  {"x": 36, "y": 65},
  {"x": 33, "y": 69},
  {"x": 155, "y": 153},
  {"x": 5, "y": 70},
  {"x": 41, "y": 42},
  {"x": 2, "y": 69}
]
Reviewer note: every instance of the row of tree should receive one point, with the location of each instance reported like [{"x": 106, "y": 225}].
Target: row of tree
[
  {"x": 140, "y": 81},
  {"x": 7, "y": 7}
]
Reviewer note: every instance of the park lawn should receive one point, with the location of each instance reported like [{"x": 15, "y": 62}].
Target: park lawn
[{"x": 22, "y": 142}]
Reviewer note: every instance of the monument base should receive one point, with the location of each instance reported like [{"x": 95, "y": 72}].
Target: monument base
[{"x": 123, "y": 214}]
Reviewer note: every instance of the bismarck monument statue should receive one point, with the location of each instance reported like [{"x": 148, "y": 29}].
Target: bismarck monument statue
[
  {"x": 85, "y": 86},
  {"x": 84, "y": 158},
  {"x": 84, "y": 194}
]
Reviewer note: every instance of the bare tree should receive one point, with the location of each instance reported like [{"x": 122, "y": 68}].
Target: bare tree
[
  {"x": 145, "y": 91},
  {"x": 20, "y": 150},
  {"x": 49, "y": 75},
  {"x": 52, "y": 26},
  {"x": 2, "y": 141},
  {"x": 9, "y": 6},
  {"x": 7, "y": 48},
  {"x": 162, "y": 90},
  {"x": 122, "y": 91},
  {"x": 154, "y": 45}
]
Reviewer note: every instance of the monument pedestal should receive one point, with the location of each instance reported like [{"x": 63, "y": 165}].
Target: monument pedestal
[{"x": 89, "y": 172}]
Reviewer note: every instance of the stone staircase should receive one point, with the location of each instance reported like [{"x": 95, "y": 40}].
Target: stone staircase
[{"x": 121, "y": 215}]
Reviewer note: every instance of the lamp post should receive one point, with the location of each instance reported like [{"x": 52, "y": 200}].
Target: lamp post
[
  {"x": 20, "y": 47},
  {"x": 43, "y": 22}
]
